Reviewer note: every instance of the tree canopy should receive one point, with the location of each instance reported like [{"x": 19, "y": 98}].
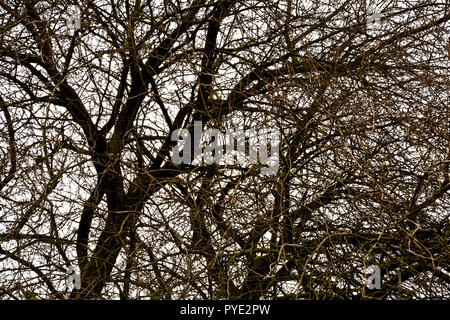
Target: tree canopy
[{"x": 91, "y": 92}]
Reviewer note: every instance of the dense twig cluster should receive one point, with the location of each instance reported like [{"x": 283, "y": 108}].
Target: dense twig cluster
[{"x": 87, "y": 180}]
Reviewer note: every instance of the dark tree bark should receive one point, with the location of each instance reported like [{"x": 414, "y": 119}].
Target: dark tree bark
[{"x": 87, "y": 177}]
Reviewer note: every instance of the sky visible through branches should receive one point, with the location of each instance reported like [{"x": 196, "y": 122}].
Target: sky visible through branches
[{"x": 325, "y": 149}]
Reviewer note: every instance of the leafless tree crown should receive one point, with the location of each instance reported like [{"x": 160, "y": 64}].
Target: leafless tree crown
[{"x": 87, "y": 183}]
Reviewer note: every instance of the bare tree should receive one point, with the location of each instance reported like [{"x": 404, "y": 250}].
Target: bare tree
[{"x": 89, "y": 106}]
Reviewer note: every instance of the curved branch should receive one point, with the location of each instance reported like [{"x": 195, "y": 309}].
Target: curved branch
[
  {"x": 35, "y": 269},
  {"x": 12, "y": 145}
]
